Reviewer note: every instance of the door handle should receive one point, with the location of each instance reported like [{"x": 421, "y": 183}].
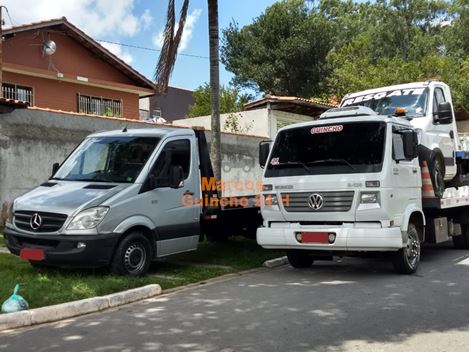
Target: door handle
[
  {"x": 451, "y": 134},
  {"x": 415, "y": 171},
  {"x": 188, "y": 193}
]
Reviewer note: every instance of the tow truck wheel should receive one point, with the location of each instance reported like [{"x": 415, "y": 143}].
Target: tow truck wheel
[
  {"x": 461, "y": 241},
  {"x": 132, "y": 256},
  {"x": 437, "y": 176},
  {"x": 299, "y": 259},
  {"x": 406, "y": 260}
]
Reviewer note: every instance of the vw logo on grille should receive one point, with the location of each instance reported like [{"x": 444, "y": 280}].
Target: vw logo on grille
[
  {"x": 36, "y": 221},
  {"x": 315, "y": 201}
]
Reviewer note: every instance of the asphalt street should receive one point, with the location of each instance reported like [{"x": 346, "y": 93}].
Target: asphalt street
[{"x": 349, "y": 305}]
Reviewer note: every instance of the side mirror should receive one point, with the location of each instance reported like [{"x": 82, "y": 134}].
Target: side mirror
[
  {"x": 410, "y": 144},
  {"x": 444, "y": 113},
  {"x": 55, "y": 167},
  {"x": 176, "y": 176},
  {"x": 264, "y": 147}
]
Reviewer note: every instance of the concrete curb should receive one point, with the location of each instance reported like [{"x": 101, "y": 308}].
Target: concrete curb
[
  {"x": 274, "y": 263},
  {"x": 72, "y": 309}
]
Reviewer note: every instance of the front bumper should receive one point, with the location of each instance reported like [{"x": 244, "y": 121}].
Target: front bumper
[
  {"x": 61, "y": 250},
  {"x": 349, "y": 237}
]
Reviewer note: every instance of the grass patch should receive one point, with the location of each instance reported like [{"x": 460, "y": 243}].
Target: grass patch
[
  {"x": 2, "y": 240},
  {"x": 42, "y": 287}
]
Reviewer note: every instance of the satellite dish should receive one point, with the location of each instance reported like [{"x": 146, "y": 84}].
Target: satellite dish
[{"x": 49, "y": 47}]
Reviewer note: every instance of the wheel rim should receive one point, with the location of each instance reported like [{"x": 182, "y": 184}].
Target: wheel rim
[
  {"x": 135, "y": 258},
  {"x": 413, "y": 249}
]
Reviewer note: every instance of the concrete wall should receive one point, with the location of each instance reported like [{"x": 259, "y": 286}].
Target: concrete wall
[
  {"x": 32, "y": 140},
  {"x": 262, "y": 122},
  {"x": 253, "y": 122}
]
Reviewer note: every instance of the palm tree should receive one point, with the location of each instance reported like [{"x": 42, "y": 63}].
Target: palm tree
[
  {"x": 171, "y": 41},
  {"x": 167, "y": 60}
]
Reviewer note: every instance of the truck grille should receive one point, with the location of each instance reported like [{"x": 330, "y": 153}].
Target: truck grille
[
  {"x": 337, "y": 201},
  {"x": 46, "y": 222}
]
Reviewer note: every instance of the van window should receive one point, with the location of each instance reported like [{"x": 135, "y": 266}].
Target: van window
[
  {"x": 439, "y": 97},
  {"x": 108, "y": 159},
  {"x": 174, "y": 153},
  {"x": 398, "y": 149}
]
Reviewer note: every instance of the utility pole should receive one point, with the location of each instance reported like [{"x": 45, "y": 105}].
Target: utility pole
[{"x": 1, "y": 53}]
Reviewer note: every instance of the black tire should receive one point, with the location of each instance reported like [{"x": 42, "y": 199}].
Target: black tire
[
  {"x": 406, "y": 260},
  {"x": 132, "y": 257},
  {"x": 461, "y": 241},
  {"x": 437, "y": 170},
  {"x": 299, "y": 259}
]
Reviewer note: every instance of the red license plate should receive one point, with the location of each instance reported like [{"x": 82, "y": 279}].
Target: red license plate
[
  {"x": 314, "y": 237},
  {"x": 32, "y": 254}
]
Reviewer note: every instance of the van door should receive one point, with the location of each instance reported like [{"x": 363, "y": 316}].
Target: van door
[
  {"x": 176, "y": 218},
  {"x": 444, "y": 133}
]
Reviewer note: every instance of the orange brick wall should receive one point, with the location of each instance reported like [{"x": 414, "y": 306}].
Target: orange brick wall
[
  {"x": 72, "y": 59},
  {"x": 70, "y": 56},
  {"x": 55, "y": 94}
]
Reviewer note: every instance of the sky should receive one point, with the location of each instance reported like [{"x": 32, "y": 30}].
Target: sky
[{"x": 140, "y": 23}]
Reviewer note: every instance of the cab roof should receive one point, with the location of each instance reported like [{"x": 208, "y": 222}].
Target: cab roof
[
  {"x": 394, "y": 87},
  {"x": 335, "y": 121},
  {"x": 146, "y": 132}
]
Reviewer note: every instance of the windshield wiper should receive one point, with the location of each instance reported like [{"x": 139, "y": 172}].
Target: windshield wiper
[
  {"x": 332, "y": 161},
  {"x": 294, "y": 163}
]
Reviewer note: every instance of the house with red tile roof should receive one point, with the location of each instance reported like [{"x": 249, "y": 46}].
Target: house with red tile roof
[{"x": 54, "y": 65}]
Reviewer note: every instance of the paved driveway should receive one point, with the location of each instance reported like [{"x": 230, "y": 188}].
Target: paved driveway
[{"x": 353, "y": 305}]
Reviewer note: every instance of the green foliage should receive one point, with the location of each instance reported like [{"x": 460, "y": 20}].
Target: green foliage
[
  {"x": 331, "y": 47},
  {"x": 42, "y": 287},
  {"x": 231, "y": 100},
  {"x": 283, "y": 52}
]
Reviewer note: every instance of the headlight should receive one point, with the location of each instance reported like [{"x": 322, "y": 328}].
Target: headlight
[
  {"x": 88, "y": 218},
  {"x": 9, "y": 218},
  {"x": 270, "y": 200},
  {"x": 369, "y": 197}
]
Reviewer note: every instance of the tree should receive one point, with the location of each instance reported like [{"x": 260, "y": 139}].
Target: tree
[
  {"x": 415, "y": 50},
  {"x": 331, "y": 47},
  {"x": 171, "y": 41},
  {"x": 231, "y": 100},
  {"x": 167, "y": 61},
  {"x": 283, "y": 52}
]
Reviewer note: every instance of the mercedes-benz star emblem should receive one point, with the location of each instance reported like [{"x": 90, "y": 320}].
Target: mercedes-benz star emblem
[
  {"x": 315, "y": 201},
  {"x": 36, "y": 221}
]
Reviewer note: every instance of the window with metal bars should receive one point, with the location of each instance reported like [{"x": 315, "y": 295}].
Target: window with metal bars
[
  {"x": 99, "y": 106},
  {"x": 17, "y": 92}
]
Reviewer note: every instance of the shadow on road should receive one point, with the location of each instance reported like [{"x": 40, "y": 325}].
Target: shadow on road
[{"x": 355, "y": 304}]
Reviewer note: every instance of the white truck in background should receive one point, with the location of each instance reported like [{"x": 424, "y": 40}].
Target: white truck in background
[
  {"x": 428, "y": 106},
  {"x": 383, "y": 173}
]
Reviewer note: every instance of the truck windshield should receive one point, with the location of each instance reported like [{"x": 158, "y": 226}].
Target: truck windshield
[
  {"x": 353, "y": 147},
  {"x": 384, "y": 103},
  {"x": 108, "y": 159}
]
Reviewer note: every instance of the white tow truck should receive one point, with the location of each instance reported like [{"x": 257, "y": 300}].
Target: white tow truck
[{"x": 374, "y": 175}]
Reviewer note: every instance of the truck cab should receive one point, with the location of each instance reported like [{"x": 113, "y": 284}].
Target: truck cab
[
  {"x": 349, "y": 183},
  {"x": 116, "y": 201},
  {"x": 428, "y": 106}
]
